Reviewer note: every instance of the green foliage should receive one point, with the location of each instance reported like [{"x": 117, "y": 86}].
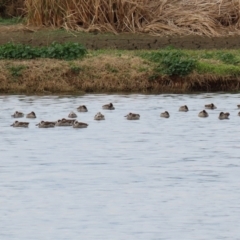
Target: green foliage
[
  {"x": 66, "y": 51},
  {"x": 10, "y": 21},
  {"x": 225, "y": 57},
  {"x": 177, "y": 63},
  {"x": 219, "y": 69},
  {"x": 172, "y": 62},
  {"x": 228, "y": 58},
  {"x": 17, "y": 51},
  {"x": 16, "y": 71},
  {"x": 74, "y": 68},
  {"x": 207, "y": 55}
]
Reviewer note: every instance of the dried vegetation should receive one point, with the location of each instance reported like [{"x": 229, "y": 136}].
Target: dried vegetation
[
  {"x": 202, "y": 17},
  {"x": 103, "y": 73},
  {"x": 157, "y": 17}
]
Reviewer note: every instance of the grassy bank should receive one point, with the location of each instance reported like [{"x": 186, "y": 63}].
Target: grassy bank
[{"x": 125, "y": 71}]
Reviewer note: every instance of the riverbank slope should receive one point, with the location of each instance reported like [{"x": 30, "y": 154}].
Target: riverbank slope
[{"x": 113, "y": 70}]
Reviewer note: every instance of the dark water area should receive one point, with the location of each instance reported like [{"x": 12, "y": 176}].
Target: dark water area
[{"x": 154, "y": 178}]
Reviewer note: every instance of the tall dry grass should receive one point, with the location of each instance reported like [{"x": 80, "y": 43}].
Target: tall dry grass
[{"x": 157, "y": 17}]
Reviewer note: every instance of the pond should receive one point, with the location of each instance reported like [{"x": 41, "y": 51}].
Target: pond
[{"x": 155, "y": 178}]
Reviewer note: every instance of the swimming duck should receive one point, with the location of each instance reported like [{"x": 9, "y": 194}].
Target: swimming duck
[
  {"x": 20, "y": 124},
  {"x": 64, "y": 122},
  {"x": 238, "y": 105},
  {"x": 223, "y": 115},
  {"x": 82, "y": 108},
  {"x": 72, "y": 115},
  {"x": 108, "y": 106},
  {"x": 183, "y": 108},
  {"x": 18, "y": 114},
  {"x": 210, "y": 106},
  {"x": 165, "y": 114},
  {"x": 31, "y": 115},
  {"x": 46, "y": 124},
  {"x": 133, "y": 116},
  {"x": 77, "y": 124},
  {"x": 203, "y": 114},
  {"x": 99, "y": 116},
  {"x": 239, "y": 114}
]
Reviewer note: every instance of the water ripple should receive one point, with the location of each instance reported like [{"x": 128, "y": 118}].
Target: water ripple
[{"x": 155, "y": 178}]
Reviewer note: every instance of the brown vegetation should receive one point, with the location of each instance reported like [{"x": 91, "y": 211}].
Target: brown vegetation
[
  {"x": 157, "y": 17},
  {"x": 202, "y": 17},
  {"x": 103, "y": 73}
]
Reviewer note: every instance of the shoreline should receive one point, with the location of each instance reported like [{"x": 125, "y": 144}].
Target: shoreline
[
  {"x": 111, "y": 70},
  {"x": 104, "y": 73}
]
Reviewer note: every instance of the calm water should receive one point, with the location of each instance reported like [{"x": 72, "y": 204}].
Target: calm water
[{"x": 176, "y": 178}]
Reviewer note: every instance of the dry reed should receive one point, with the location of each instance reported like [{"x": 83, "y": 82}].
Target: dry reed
[{"x": 157, "y": 17}]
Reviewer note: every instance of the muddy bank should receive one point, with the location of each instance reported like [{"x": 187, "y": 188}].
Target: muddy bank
[
  {"x": 95, "y": 40},
  {"x": 102, "y": 74}
]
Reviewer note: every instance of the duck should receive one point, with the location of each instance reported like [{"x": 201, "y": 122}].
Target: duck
[
  {"x": 165, "y": 114},
  {"x": 82, "y": 108},
  {"x": 77, "y": 124},
  {"x": 238, "y": 113},
  {"x": 210, "y": 106},
  {"x": 20, "y": 124},
  {"x": 108, "y": 106},
  {"x": 203, "y": 114},
  {"x": 46, "y": 124},
  {"x": 183, "y": 108},
  {"x": 31, "y": 115},
  {"x": 72, "y": 115},
  {"x": 223, "y": 115},
  {"x": 64, "y": 122},
  {"x": 18, "y": 114},
  {"x": 99, "y": 116},
  {"x": 238, "y": 105},
  {"x": 133, "y": 116}
]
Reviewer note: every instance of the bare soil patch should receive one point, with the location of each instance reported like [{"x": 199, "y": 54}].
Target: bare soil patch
[{"x": 95, "y": 40}]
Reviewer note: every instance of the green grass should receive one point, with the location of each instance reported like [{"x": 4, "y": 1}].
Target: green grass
[
  {"x": 10, "y": 21},
  {"x": 216, "y": 62},
  {"x": 218, "y": 69},
  {"x": 16, "y": 71},
  {"x": 66, "y": 51},
  {"x": 110, "y": 52},
  {"x": 168, "y": 61}
]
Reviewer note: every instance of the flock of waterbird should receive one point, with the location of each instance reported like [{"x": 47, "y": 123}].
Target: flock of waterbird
[{"x": 99, "y": 116}]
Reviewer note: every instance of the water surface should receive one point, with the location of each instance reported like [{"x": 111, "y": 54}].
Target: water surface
[{"x": 155, "y": 178}]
